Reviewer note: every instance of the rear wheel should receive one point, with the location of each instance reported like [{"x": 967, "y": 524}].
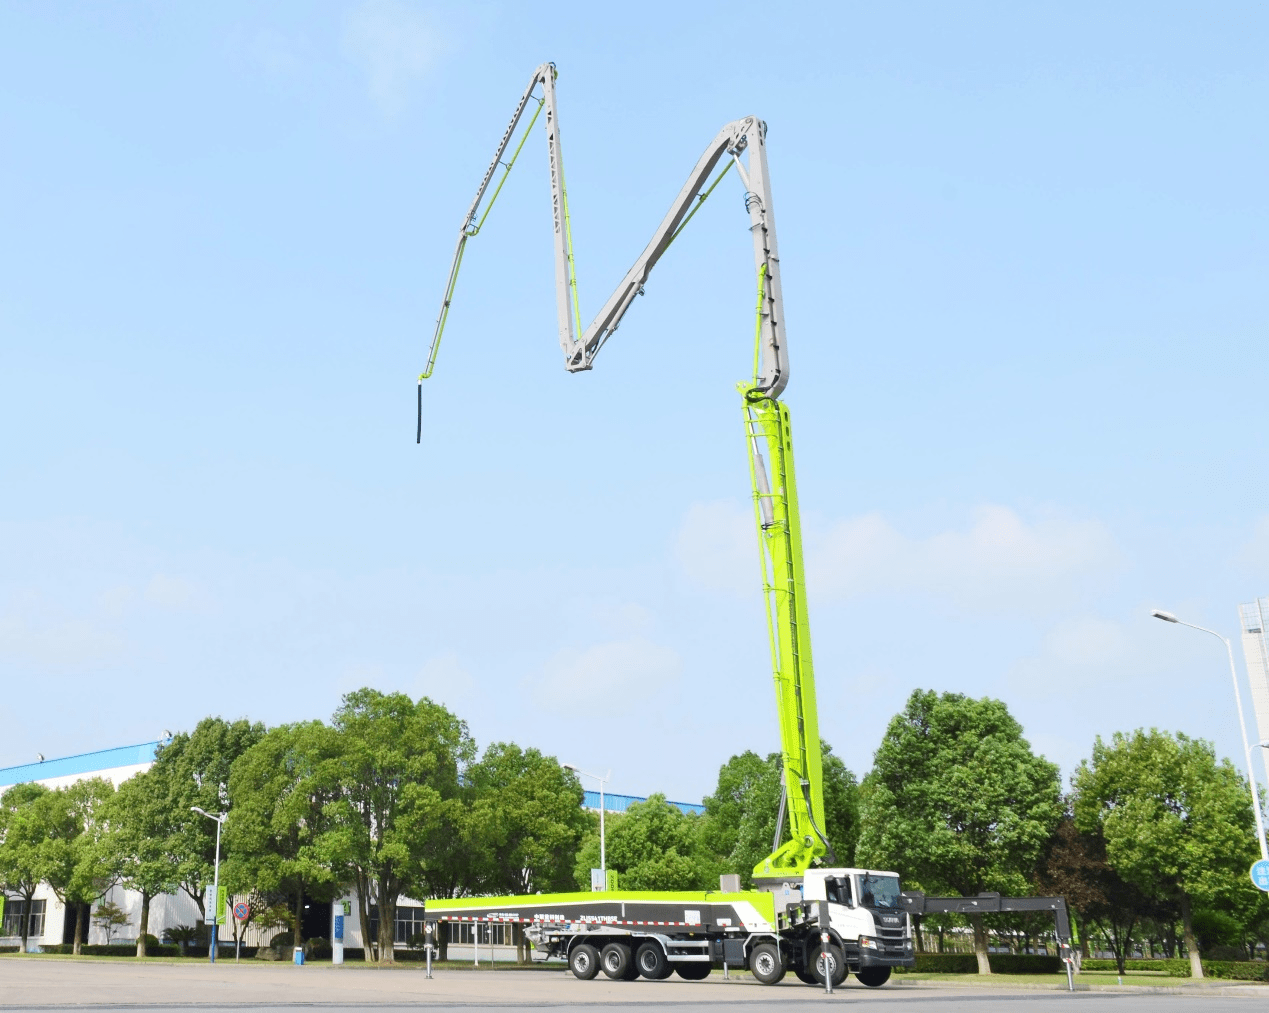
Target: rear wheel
[
  {"x": 617, "y": 961},
  {"x": 584, "y": 961},
  {"x": 832, "y": 956},
  {"x": 873, "y": 977},
  {"x": 697, "y": 970},
  {"x": 765, "y": 963},
  {"x": 651, "y": 961}
]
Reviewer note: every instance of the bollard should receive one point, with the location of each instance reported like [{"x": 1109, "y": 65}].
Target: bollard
[
  {"x": 824, "y": 956},
  {"x": 427, "y": 935}
]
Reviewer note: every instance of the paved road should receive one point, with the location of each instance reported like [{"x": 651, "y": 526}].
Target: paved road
[{"x": 36, "y": 984}]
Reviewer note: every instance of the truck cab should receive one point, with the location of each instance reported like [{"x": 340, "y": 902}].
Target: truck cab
[{"x": 867, "y": 923}]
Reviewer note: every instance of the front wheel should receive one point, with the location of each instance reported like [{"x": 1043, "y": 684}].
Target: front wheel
[
  {"x": 806, "y": 976},
  {"x": 873, "y": 977},
  {"x": 765, "y": 963},
  {"x": 834, "y": 959},
  {"x": 584, "y": 961}
]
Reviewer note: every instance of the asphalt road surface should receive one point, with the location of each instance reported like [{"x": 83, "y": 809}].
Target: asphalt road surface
[{"x": 44, "y": 984}]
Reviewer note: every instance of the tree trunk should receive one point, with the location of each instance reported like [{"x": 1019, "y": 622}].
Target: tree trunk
[
  {"x": 1191, "y": 943},
  {"x": 980, "y": 944},
  {"x": 81, "y": 925},
  {"x": 79, "y": 919},
  {"x": 299, "y": 915},
  {"x": 363, "y": 915},
  {"x": 145, "y": 922},
  {"x": 387, "y": 924}
]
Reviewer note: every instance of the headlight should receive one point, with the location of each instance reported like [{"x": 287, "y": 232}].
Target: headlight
[
  {"x": 867, "y": 943},
  {"x": 907, "y": 945}
]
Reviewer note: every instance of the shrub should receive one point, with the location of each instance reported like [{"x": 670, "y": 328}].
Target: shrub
[
  {"x": 1024, "y": 963},
  {"x": 317, "y": 948},
  {"x": 1173, "y": 968},
  {"x": 947, "y": 963},
  {"x": 1238, "y": 970}
]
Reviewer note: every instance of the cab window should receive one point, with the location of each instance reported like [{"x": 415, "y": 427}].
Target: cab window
[{"x": 837, "y": 891}]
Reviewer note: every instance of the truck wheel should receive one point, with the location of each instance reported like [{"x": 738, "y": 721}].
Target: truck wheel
[
  {"x": 873, "y": 977},
  {"x": 617, "y": 961},
  {"x": 806, "y": 976},
  {"x": 765, "y": 963},
  {"x": 584, "y": 961},
  {"x": 836, "y": 964},
  {"x": 650, "y": 959},
  {"x": 697, "y": 970}
]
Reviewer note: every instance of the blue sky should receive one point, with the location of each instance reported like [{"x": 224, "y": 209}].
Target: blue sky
[{"x": 1023, "y": 250}]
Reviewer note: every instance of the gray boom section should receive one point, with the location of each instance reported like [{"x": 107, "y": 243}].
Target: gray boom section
[
  {"x": 732, "y": 140},
  {"x": 989, "y": 903}
]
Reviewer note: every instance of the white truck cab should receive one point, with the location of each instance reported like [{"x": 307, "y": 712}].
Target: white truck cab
[{"x": 866, "y": 917}]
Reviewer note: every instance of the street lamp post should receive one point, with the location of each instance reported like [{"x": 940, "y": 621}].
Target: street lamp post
[
  {"x": 1168, "y": 617},
  {"x": 603, "y": 855},
  {"x": 220, "y": 821}
]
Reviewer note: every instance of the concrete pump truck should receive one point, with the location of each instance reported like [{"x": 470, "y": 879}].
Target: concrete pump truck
[{"x": 803, "y": 914}]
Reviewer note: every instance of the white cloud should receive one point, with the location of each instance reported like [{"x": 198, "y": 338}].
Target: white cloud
[
  {"x": 395, "y": 44},
  {"x": 998, "y": 560},
  {"x": 170, "y": 592},
  {"x": 611, "y": 671},
  {"x": 54, "y": 643},
  {"x": 717, "y": 547},
  {"x": 1255, "y": 551}
]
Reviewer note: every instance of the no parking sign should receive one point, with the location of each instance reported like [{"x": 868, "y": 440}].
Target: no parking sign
[{"x": 242, "y": 910}]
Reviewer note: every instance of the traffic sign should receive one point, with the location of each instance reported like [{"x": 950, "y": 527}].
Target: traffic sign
[
  {"x": 1260, "y": 874},
  {"x": 242, "y": 910}
]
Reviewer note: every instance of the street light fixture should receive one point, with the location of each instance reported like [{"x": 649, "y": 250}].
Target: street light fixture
[
  {"x": 1168, "y": 617},
  {"x": 603, "y": 855},
  {"x": 220, "y": 822}
]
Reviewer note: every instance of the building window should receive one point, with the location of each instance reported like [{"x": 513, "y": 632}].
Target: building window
[
  {"x": 484, "y": 933},
  {"x": 15, "y": 911},
  {"x": 409, "y": 923}
]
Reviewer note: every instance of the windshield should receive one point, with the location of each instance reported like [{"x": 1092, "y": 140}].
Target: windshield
[{"x": 879, "y": 891}]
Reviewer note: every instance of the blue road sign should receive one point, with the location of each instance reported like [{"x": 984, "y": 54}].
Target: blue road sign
[{"x": 1260, "y": 874}]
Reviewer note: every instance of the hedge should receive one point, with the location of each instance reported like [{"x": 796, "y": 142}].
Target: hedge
[
  {"x": 1174, "y": 968},
  {"x": 1001, "y": 963},
  {"x": 1235, "y": 970},
  {"x": 115, "y": 949}
]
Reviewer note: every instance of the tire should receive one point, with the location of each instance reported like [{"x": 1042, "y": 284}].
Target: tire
[
  {"x": 837, "y": 963},
  {"x": 806, "y": 976},
  {"x": 617, "y": 962},
  {"x": 873, "y": 977},
  {"x": 651, "y": 961},
  {"x": 697, "y": 970},
  {"x": 583, "y": 961},
  {"x": 765, "y": 963}
]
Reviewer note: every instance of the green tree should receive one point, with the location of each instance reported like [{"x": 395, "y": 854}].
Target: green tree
[
  {"x": 139, "y": 820},
  {"x": 23, "y": 832},
  {"x": 740, "y": 816},
  {"x": 80, "y": 868},
  {"x": 1177, "y": 823},
  {"x": 110, "y": 916},
  {"x": 284, "y": 791},
  {"x": 957, "y": 801},
  {"x": 193, "y": 770},
  {"x": 652, "y": 846},
  {"x": 400, "y": 766},
  {"x": 525, "y": 821}
]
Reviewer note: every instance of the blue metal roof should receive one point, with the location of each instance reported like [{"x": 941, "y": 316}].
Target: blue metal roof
[
  {"x": 620, "y": 803},
  {"x": 84, "y": 763}
]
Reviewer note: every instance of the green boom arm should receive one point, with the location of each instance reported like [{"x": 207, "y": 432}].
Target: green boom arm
[{"x": 766, "y": 430}]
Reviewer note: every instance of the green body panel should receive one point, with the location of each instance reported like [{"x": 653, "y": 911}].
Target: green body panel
[
  {"x": 784, "y": 590},
  {"x": 763, "y": 902}
]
